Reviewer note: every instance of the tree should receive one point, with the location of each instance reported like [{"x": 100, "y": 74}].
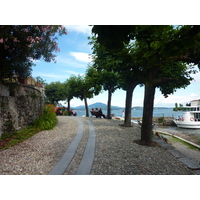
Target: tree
[
  {"x": 109, "y": 80},
  {"x": 84, "y": 87},
  {"x": 40, "y": 80},
  {"x": 55, "y": 92},
  {"x": 161, "y": 55},
  {"x": 69, "y": 91},
  {"x": 129, "y": 77},
  {"x": 116, "y": 72},
  {"x": 21, "y": 44}
]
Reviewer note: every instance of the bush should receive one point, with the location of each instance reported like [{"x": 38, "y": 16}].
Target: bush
[
  {"x": 160, "y": 119},
  {"x": 48, "y": 118},
  {"x": 66, "y": 113}
]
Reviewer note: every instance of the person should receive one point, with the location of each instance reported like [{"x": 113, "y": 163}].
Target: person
[
  {"x": 122, "y": 113},
  {"x": 101, "y": 113},
  {"x": 73, "y": 113},
  {"x": 63, "y": 110}
]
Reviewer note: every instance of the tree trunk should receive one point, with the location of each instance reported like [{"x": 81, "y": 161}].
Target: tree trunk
[
  {"x": 68, "y": 103},
  {"x": 86, "y": 106},
  {"x": 128, "y": 106},
  {"x": 146, "y": 130},
  {"x": 109, "y": 104}
]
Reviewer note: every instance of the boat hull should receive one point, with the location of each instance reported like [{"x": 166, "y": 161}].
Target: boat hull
[{"x": 182, "y": 124}]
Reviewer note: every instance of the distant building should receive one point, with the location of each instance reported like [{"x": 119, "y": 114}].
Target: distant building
[{"x": 195, "y": 103}]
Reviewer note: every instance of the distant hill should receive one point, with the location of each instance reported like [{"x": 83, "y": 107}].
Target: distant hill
[
  {"x": 97, "y": 105},
  {"x": 104, "y": 107}
]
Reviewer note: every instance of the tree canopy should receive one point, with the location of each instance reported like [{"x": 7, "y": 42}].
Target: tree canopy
[
  {"x": 21, "y": 44},
  {"x": 161, "y": 55},
  {"x": 55, "y": 92},
  {"x": 84, "y": 87}
]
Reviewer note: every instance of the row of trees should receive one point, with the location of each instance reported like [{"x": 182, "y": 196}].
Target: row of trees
[
  {"x": 153, "y": 56},
  {"x": 124, "y": 56},
  {"x": 178, "y": 108},
  {"x": 82, "y": 87}
]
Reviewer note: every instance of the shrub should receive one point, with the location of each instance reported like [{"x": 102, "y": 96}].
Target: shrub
[
  {"x": 160, "y": 119},
  {"x": 66, "y": 113},
  {"x": 48, "y": 118},
  {"x": 46, "y": 121}
]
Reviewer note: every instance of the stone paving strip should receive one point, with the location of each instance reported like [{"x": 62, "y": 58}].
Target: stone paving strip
[
  {"x": 88, "y": 157},
  {"x": 69, "y": 154},
  {"x": 73, "y": 166}
]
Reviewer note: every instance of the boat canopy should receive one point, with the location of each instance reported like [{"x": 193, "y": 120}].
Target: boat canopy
[{"x": 191, "y": 108}]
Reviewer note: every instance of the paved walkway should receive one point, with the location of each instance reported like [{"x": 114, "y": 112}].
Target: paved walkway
[
  {"x": 85, "y": 165},
  {"x": 88, "y": 157}
]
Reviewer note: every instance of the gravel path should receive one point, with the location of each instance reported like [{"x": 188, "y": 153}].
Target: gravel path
[
  {"x": 115, "y": 151},
  {"x": 40, "y": 153}
]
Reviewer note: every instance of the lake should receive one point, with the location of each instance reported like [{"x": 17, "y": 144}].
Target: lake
[{"x": 138, "y": 113}]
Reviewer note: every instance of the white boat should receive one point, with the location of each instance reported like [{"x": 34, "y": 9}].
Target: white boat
[{"x": 191, "y": 116}]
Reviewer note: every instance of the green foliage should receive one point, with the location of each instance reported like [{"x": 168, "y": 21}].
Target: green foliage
[
  {"x": 66, "y": 113},
  {"x": 13, "y": 142},
  {"x": 55, "y": 91},
  {"x": 21, "y": 44},
  {"x": 84, "y": 86},
  {"x": 178, "y": 108},
  {"x": 18, "y": 136},
  {"x": 160, "y": 57},
  {"x": 6, "y": 135},
  {"x": 46, "y": 121},
  {"x": 48, "y": 118},
  {"x": 161, "y": 119},
  {"x": 40, "y": 80}
]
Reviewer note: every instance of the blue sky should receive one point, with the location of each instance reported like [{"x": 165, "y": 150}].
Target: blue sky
[{"x": 73, "y": 58}]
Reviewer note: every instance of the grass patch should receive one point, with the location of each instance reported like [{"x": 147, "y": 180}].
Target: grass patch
[
  {"x": 46, "y": 121},
  {"x": 8, "y": 140},
  {"x": 185, "y": 143},
  {"x": 174, "y": 140}
]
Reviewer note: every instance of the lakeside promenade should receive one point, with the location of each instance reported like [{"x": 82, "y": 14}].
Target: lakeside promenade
[{"x": 92, "y": 146}]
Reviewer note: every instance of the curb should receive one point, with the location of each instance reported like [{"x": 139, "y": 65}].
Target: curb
[
  {"x": 174, "y": 135},
  {"x": 187, "y": 161}
]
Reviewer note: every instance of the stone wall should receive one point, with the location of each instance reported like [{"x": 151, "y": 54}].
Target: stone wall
[{"x": 19, "y": 107}]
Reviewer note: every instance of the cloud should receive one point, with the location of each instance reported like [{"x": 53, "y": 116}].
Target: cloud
[
  {"x": 82, "y": 57},
  {"x": 70, "y": 63},
  {"x": 85, "y": 29},
  {"x": 52, "y": 75},
  {"x": 196, "y": 78},
  {"x": 172, "y": 99},
  {"x": 73, "y": 72}
]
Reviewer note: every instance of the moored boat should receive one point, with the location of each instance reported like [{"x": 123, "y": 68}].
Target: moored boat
[{"x": 191, "y": 116}]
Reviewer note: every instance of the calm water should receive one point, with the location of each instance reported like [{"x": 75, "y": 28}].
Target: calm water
[
  {"x": 138, "y": 113},
  {"x": 157, "y": 113}
]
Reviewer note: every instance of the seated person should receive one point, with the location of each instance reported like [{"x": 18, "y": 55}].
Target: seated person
[
  {"x": 73, "y": 113},
  {"x": 93, "y": 110},
  {"x": 101, "y": 113}
]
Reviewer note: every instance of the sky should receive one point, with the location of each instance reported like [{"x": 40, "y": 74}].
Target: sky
[{"x": 74, "y": 58}]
